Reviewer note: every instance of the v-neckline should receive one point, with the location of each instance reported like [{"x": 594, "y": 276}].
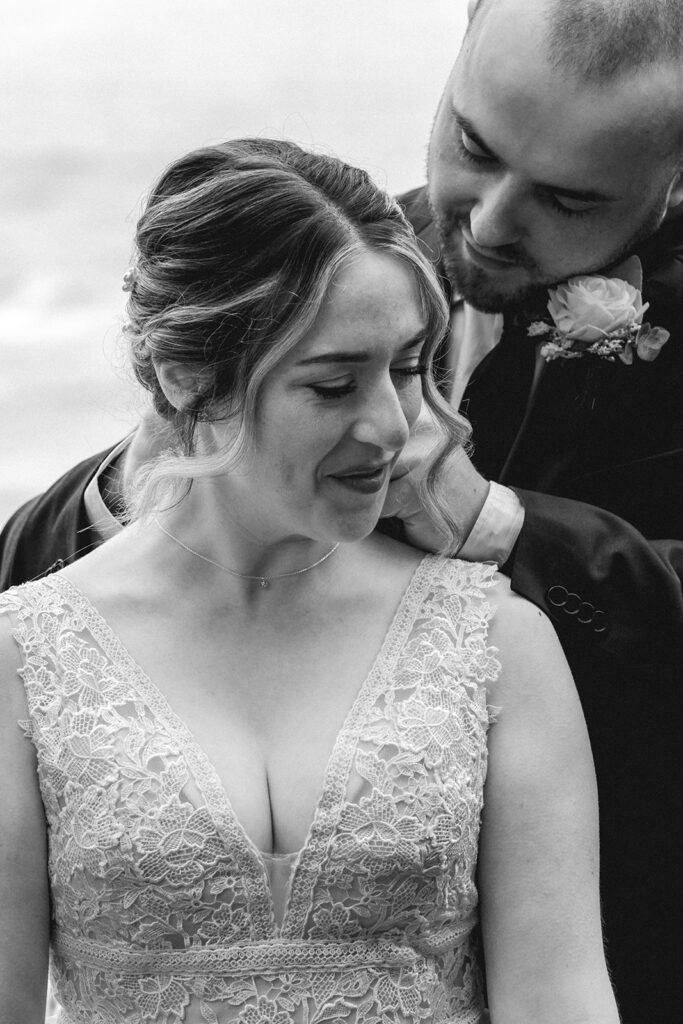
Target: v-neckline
[{"x": 250, "y": 859}]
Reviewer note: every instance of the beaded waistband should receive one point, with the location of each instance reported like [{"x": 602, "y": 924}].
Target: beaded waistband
[{"x": 264, "y": 957}]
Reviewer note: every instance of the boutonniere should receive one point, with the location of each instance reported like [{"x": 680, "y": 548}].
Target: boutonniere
[{"x": 600, "y": 317}]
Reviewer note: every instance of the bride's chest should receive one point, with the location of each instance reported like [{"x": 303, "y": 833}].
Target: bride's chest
[
  {"x": 267, "y": 711},
  {"x": 269, "y": 732},
  {"x": 143, "y": 823},
  {"x": 378, "y": 781}
]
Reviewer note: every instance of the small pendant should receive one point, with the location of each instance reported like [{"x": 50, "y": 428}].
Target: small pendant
[{"x": 264, "y": 583}]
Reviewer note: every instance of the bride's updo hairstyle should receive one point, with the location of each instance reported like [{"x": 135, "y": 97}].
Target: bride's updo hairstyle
[{"x": 234, "y": 255}]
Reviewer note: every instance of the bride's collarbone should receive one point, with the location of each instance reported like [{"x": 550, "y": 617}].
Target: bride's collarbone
[
  {"x": 224, "y": 654},
  {"x": 304, "y": 645},
  {"x": 265, "y": 662}
]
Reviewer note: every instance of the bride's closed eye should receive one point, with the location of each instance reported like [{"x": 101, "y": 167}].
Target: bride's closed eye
[
  {"x": 402, "y": 376},
  {"x": 333, "y": 391}
]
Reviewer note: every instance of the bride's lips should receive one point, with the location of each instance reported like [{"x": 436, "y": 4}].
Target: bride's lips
[{"x": 362, "y": 479}]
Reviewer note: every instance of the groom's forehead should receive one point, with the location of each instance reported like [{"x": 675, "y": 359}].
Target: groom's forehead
[
  {"x": 588, "y": 136},
  {"x": 492, "y": 22},
  {"x": 528, "y": 44}
]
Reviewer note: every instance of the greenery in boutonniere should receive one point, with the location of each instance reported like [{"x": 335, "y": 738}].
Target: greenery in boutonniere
[{"x": 601, "y": 317}]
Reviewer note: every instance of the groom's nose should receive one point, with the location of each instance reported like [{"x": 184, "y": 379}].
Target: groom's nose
[{"x": 496, "y": 216}]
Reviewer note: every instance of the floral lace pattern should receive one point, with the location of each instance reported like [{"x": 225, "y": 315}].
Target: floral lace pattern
[{"x": 161, "y": 905}]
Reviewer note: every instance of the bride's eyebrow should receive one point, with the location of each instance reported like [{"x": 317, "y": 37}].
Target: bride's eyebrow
[{"x": 358, "y": 357}]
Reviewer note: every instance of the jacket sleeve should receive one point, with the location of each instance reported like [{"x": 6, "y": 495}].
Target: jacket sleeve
[
  {"x": 10, "y": 544},
  {"x": 597, "y": 577}
]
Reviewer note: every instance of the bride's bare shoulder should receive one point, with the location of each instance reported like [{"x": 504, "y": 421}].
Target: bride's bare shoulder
[
  {"x": 380, "y": 560},
  {"x": 115, "y": 571},
  {"x": 530, "y": 653},
  {"x": 12, "y": 701}
]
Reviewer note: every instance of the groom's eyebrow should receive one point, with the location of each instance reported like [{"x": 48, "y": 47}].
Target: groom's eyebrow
[
  {"x": 358, "y": 357},
  {"x": 586, "y": 195}
]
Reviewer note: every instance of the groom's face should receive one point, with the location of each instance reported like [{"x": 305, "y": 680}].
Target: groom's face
[{"x": 533, "y": 176}]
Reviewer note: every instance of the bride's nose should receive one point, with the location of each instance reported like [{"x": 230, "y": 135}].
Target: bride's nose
[{"x": 382, "y": 419}]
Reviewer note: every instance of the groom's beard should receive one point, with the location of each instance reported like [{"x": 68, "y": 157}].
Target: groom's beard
[{"x": 482, "y": 289}]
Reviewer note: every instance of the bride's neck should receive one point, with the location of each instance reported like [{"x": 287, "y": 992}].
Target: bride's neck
[{"x": 242, "y": 542}]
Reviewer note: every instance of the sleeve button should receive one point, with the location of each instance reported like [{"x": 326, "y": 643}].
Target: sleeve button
[
  {"x": 599, "y": 621},
  {"x": 557, "y": 596},
  {"x": 585, "y": 613}
]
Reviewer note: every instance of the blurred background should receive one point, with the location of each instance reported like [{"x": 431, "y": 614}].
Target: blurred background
[{"x": 97, "y": 97}]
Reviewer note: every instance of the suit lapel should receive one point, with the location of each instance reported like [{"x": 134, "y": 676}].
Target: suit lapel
[
  {"x": 554, "y": 428},
  {"x": 496, "y": 398},
  {"x": 527, "y": 438}
]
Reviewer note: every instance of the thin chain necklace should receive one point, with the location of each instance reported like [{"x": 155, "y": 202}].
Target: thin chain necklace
[{"x": 264, "y": 581}]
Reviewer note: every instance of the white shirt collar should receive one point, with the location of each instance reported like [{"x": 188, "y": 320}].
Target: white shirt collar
[{"x": 99, "y": 516}]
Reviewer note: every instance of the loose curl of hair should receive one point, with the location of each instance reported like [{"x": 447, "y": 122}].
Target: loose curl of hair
[{"x": 234, "y": 256}]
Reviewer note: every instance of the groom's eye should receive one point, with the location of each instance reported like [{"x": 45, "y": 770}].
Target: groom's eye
[
  {"x": 472, "y": 150},
  {"x": 570, "y": 205}
]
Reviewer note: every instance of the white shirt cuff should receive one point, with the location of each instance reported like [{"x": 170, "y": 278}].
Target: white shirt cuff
[{"x": 495, "y": 532}]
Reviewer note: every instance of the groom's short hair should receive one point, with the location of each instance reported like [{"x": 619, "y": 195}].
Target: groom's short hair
[{"x": 599, "y": 40}]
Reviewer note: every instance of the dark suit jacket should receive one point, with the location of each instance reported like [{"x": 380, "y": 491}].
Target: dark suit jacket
[
  {"x": 51, "y": 530},
  {"x": 597, "y": 459},
  {"x": 614, "y": 596}
]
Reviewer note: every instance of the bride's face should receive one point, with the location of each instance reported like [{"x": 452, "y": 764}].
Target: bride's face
[{"x": 336, "y": 412}]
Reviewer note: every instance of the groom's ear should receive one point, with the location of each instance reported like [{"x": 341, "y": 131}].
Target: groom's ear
[{"x": 674, "y": 199}]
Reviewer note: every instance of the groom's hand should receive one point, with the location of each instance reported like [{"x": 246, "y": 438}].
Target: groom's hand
[{"x": 464, "y": 489}]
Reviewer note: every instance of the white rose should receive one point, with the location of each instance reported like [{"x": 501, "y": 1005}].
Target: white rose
[{"x": 588, "y": 308}]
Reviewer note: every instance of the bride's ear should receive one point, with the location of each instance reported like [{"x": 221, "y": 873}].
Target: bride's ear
[{"x": 181, "y": 383}]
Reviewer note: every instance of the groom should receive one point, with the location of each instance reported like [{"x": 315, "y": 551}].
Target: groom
[{"x": 556, "y": 151}]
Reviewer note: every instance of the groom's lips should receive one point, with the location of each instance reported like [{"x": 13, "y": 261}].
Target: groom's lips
[{"x": 487, "y": 259}]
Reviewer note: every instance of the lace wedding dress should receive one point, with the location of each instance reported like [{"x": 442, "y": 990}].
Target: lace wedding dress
[{"x": 164, "y": 911}]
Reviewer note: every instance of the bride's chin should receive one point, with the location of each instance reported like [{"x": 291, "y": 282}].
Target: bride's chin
[{"x": 349, "y": 531}]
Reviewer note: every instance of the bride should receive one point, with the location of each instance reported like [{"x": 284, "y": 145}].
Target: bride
[{"x": 274, "y": 765}]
